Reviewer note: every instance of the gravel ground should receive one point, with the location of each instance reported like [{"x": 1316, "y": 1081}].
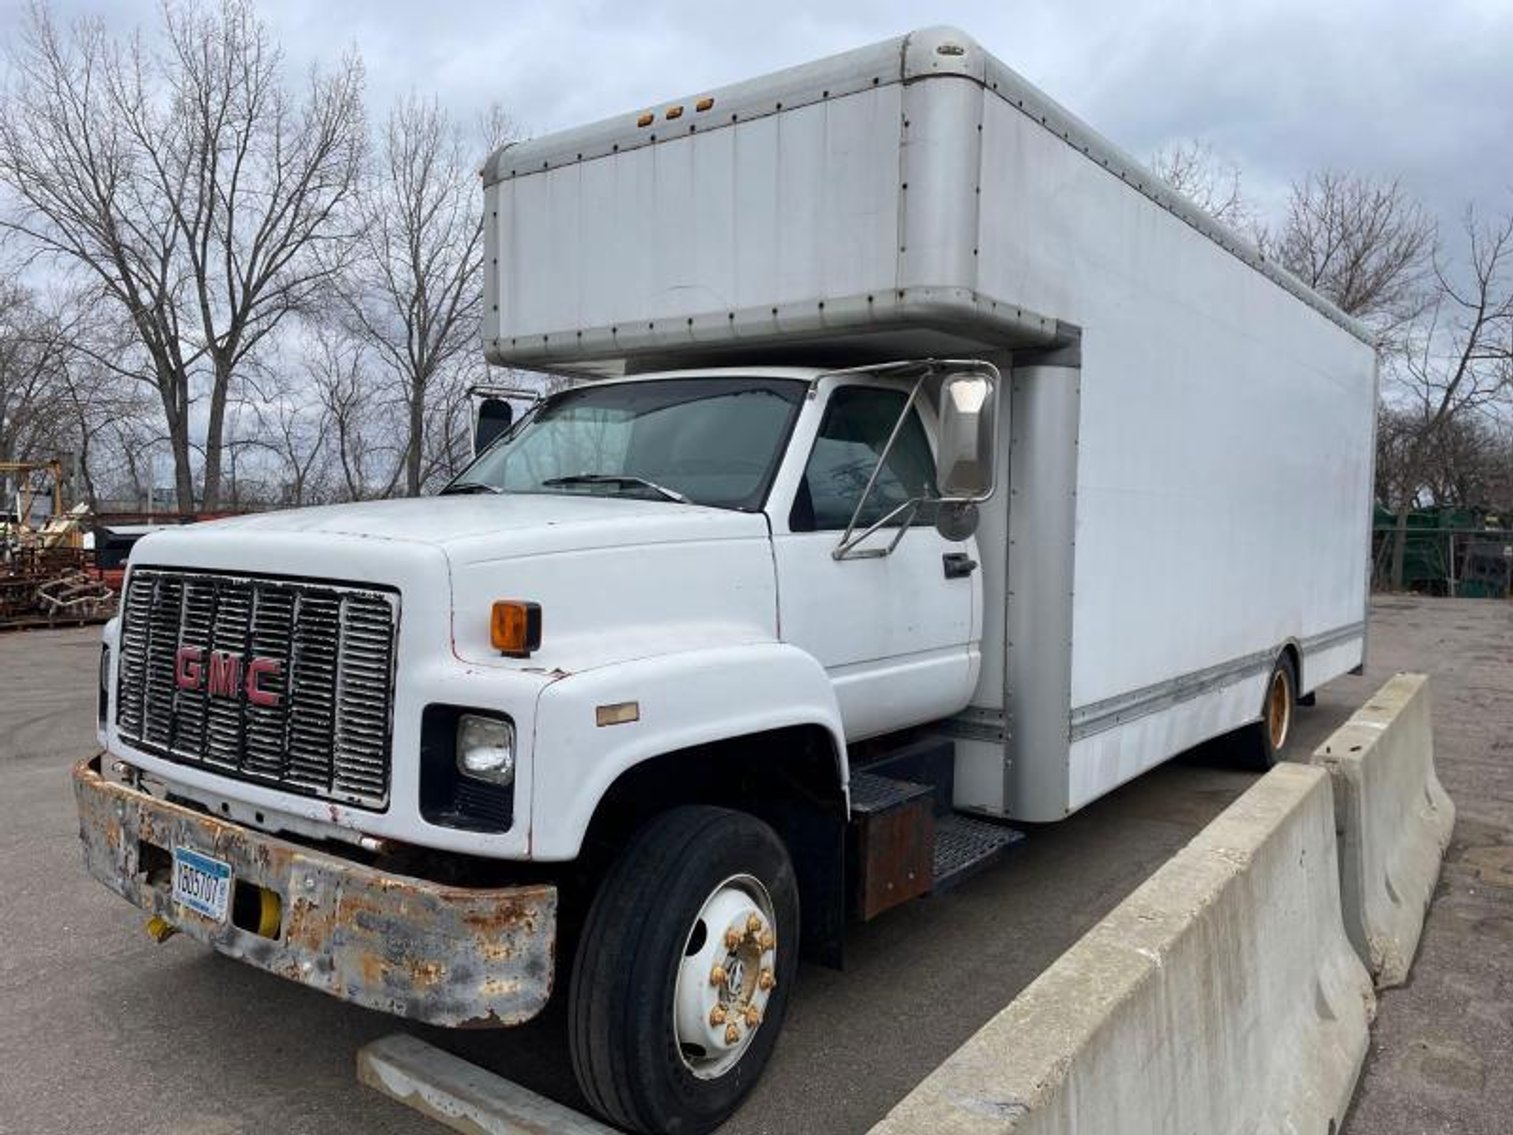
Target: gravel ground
[{"x": 1441, "y": 1056}]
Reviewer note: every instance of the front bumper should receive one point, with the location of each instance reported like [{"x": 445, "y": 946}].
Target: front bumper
[{"x": 444, "y": 955}]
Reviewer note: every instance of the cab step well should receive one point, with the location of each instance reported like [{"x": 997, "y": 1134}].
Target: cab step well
[{"x": 904, "y": 844}]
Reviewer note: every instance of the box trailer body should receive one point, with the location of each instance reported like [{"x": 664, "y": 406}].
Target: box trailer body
[
  {"x": 932, "y": 467},
  {"x": 1186, "y": 464}
]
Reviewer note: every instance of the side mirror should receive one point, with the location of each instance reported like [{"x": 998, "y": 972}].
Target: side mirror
[
  {"x": 968, "y": 413},
  {"x": 495, "y": 416}
]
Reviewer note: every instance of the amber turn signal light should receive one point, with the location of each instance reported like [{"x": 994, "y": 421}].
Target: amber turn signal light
[{"x": 515, "y": 627}]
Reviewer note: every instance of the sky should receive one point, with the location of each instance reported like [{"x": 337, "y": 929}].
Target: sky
[{"x": 1421, "y": 92}]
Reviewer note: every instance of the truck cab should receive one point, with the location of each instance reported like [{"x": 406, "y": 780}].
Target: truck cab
[{"x": 684, "y": 596}]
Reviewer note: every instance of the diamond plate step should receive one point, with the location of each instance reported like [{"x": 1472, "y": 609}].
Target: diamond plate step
[{"x": 964, "y": 846}]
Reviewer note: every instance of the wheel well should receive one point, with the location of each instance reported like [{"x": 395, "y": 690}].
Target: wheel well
[
  {"x": 789, "y": 778},
  {"x": 766, "y": 774},
  {"x": 1295, "y": 656}
]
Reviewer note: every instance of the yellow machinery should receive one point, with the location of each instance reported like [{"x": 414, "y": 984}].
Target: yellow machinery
[{"x": 62, "y": 527}]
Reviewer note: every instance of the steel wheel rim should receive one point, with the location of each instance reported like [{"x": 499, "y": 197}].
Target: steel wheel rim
[
  {"x": 1278, "y": 710},
  {"x": 725, "y": 977}
]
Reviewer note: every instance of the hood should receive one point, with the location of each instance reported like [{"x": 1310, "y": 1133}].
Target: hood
[{"x": 469, "y": 528}]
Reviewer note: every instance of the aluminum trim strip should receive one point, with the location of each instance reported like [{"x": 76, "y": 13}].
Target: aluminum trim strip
[
  {"x": 1100, "y": 716},
  {"x": 1336, "y": 637}
]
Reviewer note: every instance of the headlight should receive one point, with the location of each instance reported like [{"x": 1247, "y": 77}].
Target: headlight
[{"x": 486, "y": 748}]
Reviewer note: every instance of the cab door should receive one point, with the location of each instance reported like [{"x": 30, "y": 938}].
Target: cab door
[{"x": 898, "y": 633}]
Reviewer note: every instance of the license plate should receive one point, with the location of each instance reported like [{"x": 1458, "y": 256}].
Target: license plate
[{"x": 201, "y": 883}]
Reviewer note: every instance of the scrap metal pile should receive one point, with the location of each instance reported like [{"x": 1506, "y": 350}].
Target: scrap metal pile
[{"x": 42, "y": 587}]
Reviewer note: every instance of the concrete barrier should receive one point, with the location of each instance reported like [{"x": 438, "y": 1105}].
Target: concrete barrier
[
  {"x": 1394, "y": 822},
  {"x": 1221, "y": 996},
  {"x": 463, "y": 1096}
]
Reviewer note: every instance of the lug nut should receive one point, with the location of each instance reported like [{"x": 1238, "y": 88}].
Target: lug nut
[
  {"x": 732, "y": 1033},
  {"x": 717, "y": 976},
  {"x": 717, "y": 1015},
  {"x": 754, "y": 924},
  {"x": 766, "y": 981},
  {"x": 768, "y": 940},
  {"x": 753, "y": 1016},
  {"x": 732, "y": 938}
]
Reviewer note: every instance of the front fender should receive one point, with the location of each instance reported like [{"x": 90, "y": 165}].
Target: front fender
[{"x": 685, "y": 699}]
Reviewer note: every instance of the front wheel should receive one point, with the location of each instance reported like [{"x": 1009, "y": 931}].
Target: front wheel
[{"x": 683, "y": 971}]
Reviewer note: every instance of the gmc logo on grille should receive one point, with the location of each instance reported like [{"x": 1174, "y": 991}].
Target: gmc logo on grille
[{"x": 222, "y": 674}]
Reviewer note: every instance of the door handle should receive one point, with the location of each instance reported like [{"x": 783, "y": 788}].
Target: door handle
[{"x": 958, "y": 565}]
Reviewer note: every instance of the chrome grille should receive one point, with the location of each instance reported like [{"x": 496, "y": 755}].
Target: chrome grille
[{"x": 329, "y": 733}]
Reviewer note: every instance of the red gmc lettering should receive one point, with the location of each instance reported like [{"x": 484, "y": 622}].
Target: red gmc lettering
[
  {"x": 225, "y": 673},
  {"x": 187, "y": 671},
  {"x": 224, "y": 676},
  {"x": 256, "y": 695}
]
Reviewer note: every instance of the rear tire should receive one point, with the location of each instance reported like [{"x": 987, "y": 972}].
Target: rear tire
[
  {"x": 1267, "y": 738},
  {"x": 683, "y": 969}
]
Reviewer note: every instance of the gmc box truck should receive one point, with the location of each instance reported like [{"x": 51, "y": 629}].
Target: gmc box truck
[{"x": 932, "y": 467}]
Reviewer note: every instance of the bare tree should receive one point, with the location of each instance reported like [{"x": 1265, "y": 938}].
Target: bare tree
[
  {"x": 33, "y": 391},
  {"x": 69, "y": 331},
  {"x": 134, "y": 443},
  {"x": 293, "y": 428},
  {"x": 365, "y": 427},
  {"x": 1450, "y": 381},
  {"x": 449, "y": 423},
  {"x": 188, "y": 183},
  {"x": 414, "y": 290},
  {"x": 1363, "y": 243},
  {"x": 97, "y": 412},
  {"x": 1208, "y": 181}
]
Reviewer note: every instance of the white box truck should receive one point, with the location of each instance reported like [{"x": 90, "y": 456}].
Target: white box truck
[{"x": 934, "y": 467}]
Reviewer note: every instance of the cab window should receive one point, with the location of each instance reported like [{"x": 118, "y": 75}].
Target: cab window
[{"x": 852, "y": 435}]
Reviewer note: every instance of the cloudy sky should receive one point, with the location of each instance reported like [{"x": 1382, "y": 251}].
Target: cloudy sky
[{"x": 1279, "y": 87}]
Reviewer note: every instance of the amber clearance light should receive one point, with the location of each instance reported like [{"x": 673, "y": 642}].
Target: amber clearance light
[{"x": 515, "y": 627}]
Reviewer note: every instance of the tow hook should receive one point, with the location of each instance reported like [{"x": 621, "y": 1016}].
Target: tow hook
[{"x": 160, "y": 929}]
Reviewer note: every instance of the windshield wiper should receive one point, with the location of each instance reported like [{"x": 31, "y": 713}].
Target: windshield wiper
[
  {"x": 459, "y": 487},
  {"x": 616, "y": 479}
]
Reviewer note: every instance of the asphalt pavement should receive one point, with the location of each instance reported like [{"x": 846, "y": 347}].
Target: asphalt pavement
[{"x": 101, "y": 1030}]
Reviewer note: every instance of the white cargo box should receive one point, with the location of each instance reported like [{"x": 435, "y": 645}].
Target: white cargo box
[
  {"x": 852, "y": 207},
  {"x": 1186, "y": 479}
]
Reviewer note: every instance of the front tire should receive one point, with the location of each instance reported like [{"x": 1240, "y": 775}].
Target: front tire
[{"x": 683, "y": 970}]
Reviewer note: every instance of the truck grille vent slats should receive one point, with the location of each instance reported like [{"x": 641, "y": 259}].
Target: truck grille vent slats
[{"x": 329, "y": 669}]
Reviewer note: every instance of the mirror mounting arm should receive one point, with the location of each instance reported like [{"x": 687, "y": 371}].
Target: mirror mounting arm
[
  {"x": 849, "y": 538},
  {"x": 848, "y": 548}
]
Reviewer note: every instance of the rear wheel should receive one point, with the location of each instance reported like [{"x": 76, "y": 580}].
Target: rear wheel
[
  {"x": 1268, "y": 737},
  {"x": 683, "y": 971}
]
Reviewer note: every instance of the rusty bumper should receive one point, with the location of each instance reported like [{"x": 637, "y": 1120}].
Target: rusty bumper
[{"x": 443, "y": 955}]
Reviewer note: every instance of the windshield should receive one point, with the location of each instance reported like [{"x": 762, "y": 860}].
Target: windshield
[{"x": 711, "y": 441}]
